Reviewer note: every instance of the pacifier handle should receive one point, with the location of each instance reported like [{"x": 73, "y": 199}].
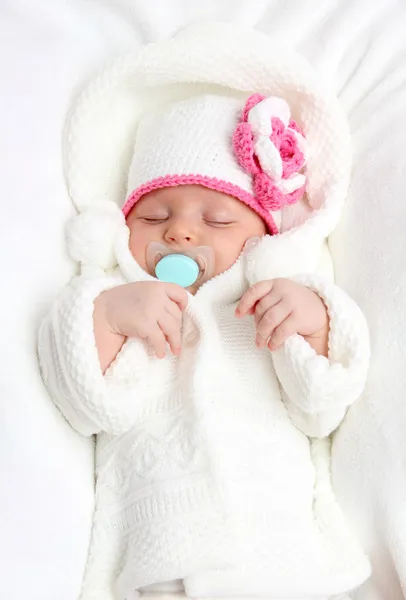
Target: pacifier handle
[{"x": 177, "y": 268}]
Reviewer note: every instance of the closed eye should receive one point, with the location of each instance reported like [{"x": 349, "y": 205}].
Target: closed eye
[
  {"x": 219, "y": 223},
  {"x": 153, "y": 220}
]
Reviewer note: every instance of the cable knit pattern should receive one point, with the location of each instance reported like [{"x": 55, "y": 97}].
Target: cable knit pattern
[{"x": 203, "y": 472}]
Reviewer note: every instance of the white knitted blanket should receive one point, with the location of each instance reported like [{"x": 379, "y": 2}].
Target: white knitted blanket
[
  {"x": 178, "y": 495},
  {"x": 204, "y": 471}
]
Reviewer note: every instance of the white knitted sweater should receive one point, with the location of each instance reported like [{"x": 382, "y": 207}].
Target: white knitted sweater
[
  {"x": 211, "y": 468},
  {"x": 204, "y": 468}
]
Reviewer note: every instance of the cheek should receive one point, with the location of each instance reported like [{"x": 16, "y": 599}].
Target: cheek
[
  {"x": 228, "y": 252},
  {"x": 138, "y": 247}
]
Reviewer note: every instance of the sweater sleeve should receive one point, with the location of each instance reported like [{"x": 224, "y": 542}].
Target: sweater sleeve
[
  {"x": 70, "y": 365},
  {"x": 318, "y": 390}
]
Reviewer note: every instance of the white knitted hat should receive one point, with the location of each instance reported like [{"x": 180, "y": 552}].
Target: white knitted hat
[{"x": 216, "y": 142}]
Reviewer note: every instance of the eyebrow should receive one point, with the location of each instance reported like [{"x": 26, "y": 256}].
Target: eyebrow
[
  {"x": 151, "y": 206},
  {"x": 220, "y": 215},
  {"x": 220, "y": 210}
]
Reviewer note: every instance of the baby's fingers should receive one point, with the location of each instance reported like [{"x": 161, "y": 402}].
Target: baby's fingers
[
  {"x": 177, "y": 294},
  {"x": 282, "y": 333},
  {"x": 248, "y": 301},
  {"x": 170, "y": 326},
  {"x": 173, "y": 309},
  {"x": 265, "y": 304},
  {"x": 156, "y": 340},
  {"x": 269, "y": 322}
]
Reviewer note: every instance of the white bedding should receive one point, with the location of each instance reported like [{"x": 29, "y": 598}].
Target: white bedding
[{"x": 48, "y": 51}]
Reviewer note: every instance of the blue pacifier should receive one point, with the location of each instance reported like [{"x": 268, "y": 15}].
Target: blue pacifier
[
  {"x": 177, "y": 268},
  {"x": 184, "y": 269}
]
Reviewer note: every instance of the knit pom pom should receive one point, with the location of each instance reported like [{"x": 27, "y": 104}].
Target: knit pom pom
[{"x": 91, "y": 235}]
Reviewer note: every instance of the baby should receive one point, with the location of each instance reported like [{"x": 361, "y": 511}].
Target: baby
[
  {"x": 187, "y": 217},
  {"x": 210, "y": 394}
]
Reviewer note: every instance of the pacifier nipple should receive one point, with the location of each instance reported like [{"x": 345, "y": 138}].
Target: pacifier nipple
[{"x": 184, "y": 269}]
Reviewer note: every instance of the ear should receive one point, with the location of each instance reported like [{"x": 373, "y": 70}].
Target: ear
[{"x": 91, "y": 235}]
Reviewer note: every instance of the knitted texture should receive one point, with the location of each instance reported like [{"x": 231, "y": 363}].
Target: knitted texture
[
  {"x": 204, "y": 469},
  {"x": 326, "y": 387},
  {"x": 271, "y": 147},
  {"x": 198, "y": 141},
  {"x": 100, "y": 133},
  {"x": 213, "y": 183},
  {"x": 203, "y": 473}
]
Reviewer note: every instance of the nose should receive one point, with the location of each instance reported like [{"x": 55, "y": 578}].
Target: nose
[{"x": 180, "y": 231}]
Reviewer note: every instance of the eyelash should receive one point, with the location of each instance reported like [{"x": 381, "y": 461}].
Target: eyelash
[
  {"x": 147, "y": 220},
  {"x": 219, "y": 223},
  {"x": 152, "y": 221}
]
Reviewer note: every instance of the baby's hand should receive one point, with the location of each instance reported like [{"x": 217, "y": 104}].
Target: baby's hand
[
  {"x": 150, "y": 310},
  {"x": 282, "y": 308}
]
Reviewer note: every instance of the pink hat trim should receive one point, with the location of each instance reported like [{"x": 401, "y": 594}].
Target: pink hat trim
[{"x": 211, "y": 183}]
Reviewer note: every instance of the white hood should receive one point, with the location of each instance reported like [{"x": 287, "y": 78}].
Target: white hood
[{"x": 214, "y": 58}]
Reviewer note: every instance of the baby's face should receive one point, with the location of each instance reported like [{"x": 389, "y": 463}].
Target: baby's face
[{"x": 189, "y": 216}]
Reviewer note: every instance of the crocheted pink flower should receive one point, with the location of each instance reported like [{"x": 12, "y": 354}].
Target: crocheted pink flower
[{"x": 270, "y": 146}]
